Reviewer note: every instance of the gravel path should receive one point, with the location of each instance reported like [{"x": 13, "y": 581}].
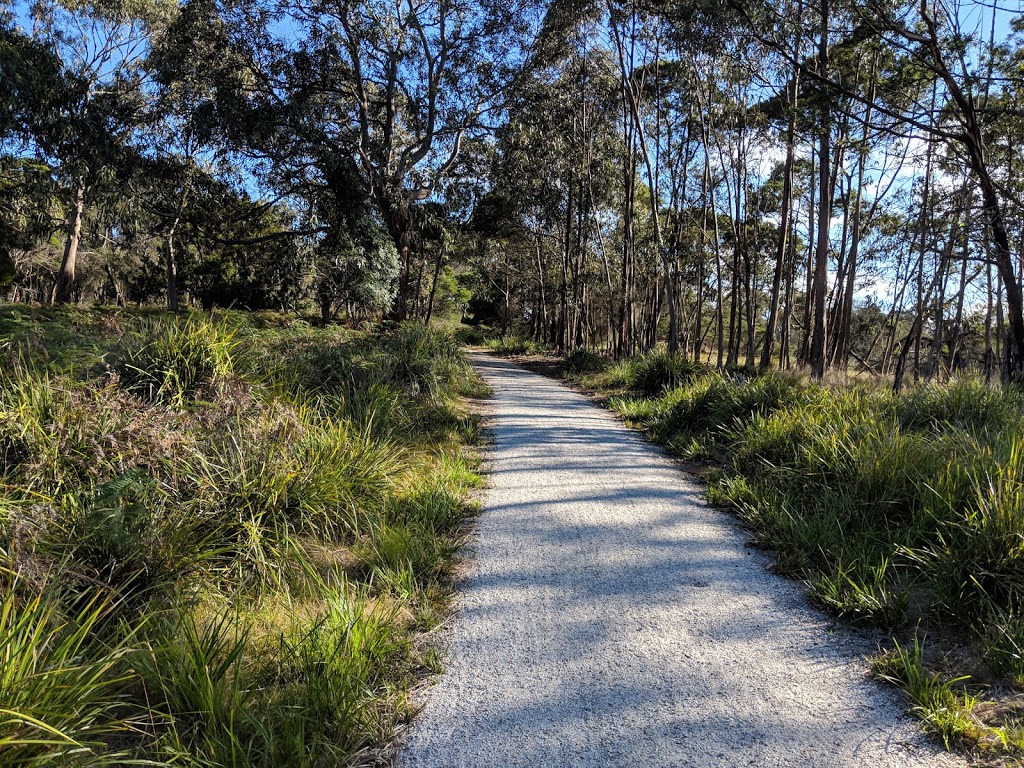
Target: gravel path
[{"x": 613, "y": 618}]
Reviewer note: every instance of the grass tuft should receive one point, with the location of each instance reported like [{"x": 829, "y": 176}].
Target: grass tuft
[
  {"x": 944, "y": 706},
  {"x": 170, "y": 361},
  {"x": 62, "y": 687}
]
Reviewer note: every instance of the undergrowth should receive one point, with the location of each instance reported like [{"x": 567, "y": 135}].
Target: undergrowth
[
  {"x": 220, "y": 536},
  {"x": 514, "y": 345}
]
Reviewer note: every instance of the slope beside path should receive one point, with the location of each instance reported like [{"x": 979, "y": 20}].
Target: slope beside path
[{"x": 612, "y": 618}]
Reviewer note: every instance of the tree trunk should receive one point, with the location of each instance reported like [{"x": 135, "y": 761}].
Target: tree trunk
[
  {"x": 1014, "y": 352},
  {"x": 824, "y": 214},
  {"x": 397, "y": 216},
  {"x": 958, "y": 319},
  {"x": 804, "y": 355},
  {"x": 64, "y": 286},
  {"x": 787, "y": 314},
  {"x": 433, "y": 282},
  {"x": 172, "y": 269},
  {"x": 784, "y": 215},
  {"x": 846, "y": 313}
]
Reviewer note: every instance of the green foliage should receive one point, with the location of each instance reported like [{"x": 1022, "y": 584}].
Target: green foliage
[
  {"x": 867, "y": 593},
  {"x": 171, "y": 361},
  {"x": 653, "y": 373},
  {"x": 713, "y": 405},
  {"x": 978, "y": 561},
  {"x": 1004, "y": 646},
  {"x": 195, "y": 673},
  {"x": 127, "y": 533},
  {"x": 394, "y": 549},
  {"x": 962, "y": 404},
  {"x": 582, "y": 360},
  {"x": 356, "y": 264},
  {"x": 275, "y": 515},
  {"x": 945, "y": 709},
  {"x": 421, "y": 361},
  {"x": 61, "y": 687},
  {"x": 315, "y": 700},
  {"x": 349, "y": 658},
  {"x": 514, "y": 345},
  {"x": 6, "y": 266},
  {"x": 473, "y": 335}
]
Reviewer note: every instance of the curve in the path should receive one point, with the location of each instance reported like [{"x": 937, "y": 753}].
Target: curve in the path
[{"x": 613, "y": 618}]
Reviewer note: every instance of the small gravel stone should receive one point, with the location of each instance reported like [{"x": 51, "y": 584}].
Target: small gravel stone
[{"x": 612, "y": 618}]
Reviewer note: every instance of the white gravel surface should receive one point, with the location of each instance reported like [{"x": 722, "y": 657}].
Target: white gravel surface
[{"x": 612, "y": 618}]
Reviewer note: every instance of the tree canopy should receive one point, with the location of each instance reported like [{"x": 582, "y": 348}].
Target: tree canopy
[{"x": 828, "y": 184}]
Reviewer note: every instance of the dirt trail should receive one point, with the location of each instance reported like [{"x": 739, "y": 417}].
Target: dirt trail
[{"x": 613, "y": 618}]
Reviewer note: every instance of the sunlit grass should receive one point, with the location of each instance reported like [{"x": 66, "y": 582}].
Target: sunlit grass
[
  {"x": 62, "y": 687},
  {"x": 943, "y": 704},
  {"x": 273, "y": 509}
]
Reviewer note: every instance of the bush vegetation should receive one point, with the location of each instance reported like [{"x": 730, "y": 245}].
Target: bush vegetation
[
  {"x": 510, "y": 344},
  {"x": 220, "y": 536},
  {"x": 582, "y": 361},
  {"x": 900, "y": 511}
]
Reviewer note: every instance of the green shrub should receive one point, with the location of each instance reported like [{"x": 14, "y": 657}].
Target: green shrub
[
  {"x": 273, "y": 480},
  {"x": 396, "y": 548},
  {"x": 514, "y": 345},
  {"x": 171, "y": 361},
  {"x": 339, "y": 675},
  {"x": 195, "y": 675},
  {"x": 965, "y": 404},
  {"x": 231, "y": 464},
  {"x": 615, "y": 377},
  {"x": 422, "y": 361},
  {"x": 637, "y": 410},
  {"x": 976, "y": 564},
  {"x": 331, "y": 368},
  {"x": 438, "y": 502},
  {"x": 657, "y": 372},
  {"x": 712, "y": 405},
  {"x": 69, "y": 436},
  {"x": 1003, "y": 645},
  {"x": 126, "y": 535},
  {"x": 472, "y": 335},
  {"x": 582, "y": 360}
]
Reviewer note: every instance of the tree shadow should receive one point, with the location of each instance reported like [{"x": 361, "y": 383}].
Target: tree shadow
[{"x": 611, "y": 617}]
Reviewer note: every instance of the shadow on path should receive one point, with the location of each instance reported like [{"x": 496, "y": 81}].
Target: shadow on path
[{"x": 612, "y": 618}]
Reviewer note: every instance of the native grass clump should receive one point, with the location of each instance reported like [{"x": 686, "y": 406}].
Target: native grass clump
[
  {"x": 903, "y": 512},
  {"x": 513, "y": 344},
  {"x": 220, "y": 536}
]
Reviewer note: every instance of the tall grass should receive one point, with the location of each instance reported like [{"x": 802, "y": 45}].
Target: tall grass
[
  {"x": 197, "y": 472},
  {"x": 657, "y": 372},
  {"x": 421, "y": 361},
  {"x": 62, "y": 688},
  {"x": 583, "y": 361},
  {"x": 946, "y": 709},
  {"x": 170, "y": 361},
  {"x": 514, "y": 345}
]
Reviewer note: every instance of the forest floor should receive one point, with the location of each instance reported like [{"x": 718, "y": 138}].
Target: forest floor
[{"x": 612, "y": 617}]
